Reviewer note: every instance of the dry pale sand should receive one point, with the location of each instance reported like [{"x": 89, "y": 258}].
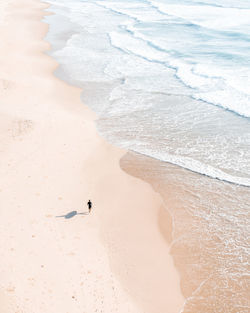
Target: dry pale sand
[
  {"x": 52, "y": 162},
  {"x": 3, "y": 5}
]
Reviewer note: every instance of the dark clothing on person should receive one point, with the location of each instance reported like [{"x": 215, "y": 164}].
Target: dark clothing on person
[{"x": 89, "y": 205}]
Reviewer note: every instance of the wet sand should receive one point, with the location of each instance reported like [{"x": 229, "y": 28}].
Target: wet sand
[{"x": 209, "y": 234}]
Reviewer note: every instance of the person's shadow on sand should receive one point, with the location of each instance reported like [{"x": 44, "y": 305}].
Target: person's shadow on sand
[{"x": 72, "y": 214}]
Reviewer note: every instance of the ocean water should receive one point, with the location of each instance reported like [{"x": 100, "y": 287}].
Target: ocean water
[{"x": 170, "y": 80}]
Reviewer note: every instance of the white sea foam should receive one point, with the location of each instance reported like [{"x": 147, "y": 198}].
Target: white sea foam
[
  {"x": 198, "y": 167},
  {"x": 138, "y": 10},
  {"x": 215, "y": 17},
  {"x": 142, "y": 66},
  {"x": 217, "y": 87},
  {"x": 151, "y": 64},
  {"x": 151, "y": 34},
  {"x": 150, "y": 38},
  {"x": 138, "y": 47}
]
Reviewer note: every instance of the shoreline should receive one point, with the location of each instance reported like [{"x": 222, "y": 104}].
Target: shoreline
[
  {"x": 192, "y": 204},
  {"x": 55, "y": 162}
]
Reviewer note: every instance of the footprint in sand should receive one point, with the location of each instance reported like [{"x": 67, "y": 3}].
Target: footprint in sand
[
  {"x": 10, "y": 289},
  {"x": 21, "y": 127},
  {"x": 6, "y": 85}
]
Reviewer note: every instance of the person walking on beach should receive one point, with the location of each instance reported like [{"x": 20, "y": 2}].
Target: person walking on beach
[{"x": 89, "y": 205}]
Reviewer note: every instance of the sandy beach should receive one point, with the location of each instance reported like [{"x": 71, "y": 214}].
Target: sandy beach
[{"x": 52, "y": 162}]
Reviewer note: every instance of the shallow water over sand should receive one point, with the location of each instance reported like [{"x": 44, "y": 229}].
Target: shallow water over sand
[{"x": 210, "y": 234}]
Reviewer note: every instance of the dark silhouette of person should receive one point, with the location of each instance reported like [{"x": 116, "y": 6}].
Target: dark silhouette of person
[{"x": 90, "y": 206}]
